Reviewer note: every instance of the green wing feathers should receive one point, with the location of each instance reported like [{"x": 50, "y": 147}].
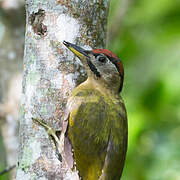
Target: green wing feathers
[{"x": 98, "y": 133}]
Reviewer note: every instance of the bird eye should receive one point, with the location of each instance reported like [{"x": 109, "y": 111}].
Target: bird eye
[{"x": 101, "y": 59}]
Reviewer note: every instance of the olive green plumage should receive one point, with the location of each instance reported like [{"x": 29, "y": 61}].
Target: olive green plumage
[
  {"x": 97, "y": 124},
  {"x": 98, "y": 132}
]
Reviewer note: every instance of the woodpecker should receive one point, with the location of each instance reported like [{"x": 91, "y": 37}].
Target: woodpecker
[{"x": 97, "y": 119}]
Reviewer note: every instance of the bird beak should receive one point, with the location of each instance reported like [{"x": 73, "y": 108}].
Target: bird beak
[{"x": 78, "y": 51}]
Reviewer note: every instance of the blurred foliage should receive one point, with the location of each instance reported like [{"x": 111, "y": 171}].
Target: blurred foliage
[{"x": 148, "y": 42}]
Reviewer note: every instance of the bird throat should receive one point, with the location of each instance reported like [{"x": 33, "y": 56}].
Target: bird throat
[{"x": 91, "y": 83}]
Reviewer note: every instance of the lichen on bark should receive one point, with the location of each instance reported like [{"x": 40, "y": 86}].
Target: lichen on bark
[{"x": 51, "y": 72}]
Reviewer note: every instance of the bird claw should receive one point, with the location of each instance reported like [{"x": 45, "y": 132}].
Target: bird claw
[
  {"x": 49, "y": 129},
  {"x": 58, "y": 141}
]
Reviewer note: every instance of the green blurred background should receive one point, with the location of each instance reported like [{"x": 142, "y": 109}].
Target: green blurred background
[{"x": 146, "y": 36}]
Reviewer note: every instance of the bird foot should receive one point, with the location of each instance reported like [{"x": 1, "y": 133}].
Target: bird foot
[
  {"x": 58, "y": 141},
  {"x": 50, "y": 130}
]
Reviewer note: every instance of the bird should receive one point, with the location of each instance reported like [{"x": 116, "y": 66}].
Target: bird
[{"x": 97, "y": 126}]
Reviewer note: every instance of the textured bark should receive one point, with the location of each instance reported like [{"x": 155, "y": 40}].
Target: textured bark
[{"x": 51, "y": 72}]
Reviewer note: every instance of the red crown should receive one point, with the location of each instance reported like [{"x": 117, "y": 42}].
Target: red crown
[{"x": 106, "y": 52}]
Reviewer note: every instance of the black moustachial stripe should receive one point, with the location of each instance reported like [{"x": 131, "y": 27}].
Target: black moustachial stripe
[{"x": 93, "y": 68}]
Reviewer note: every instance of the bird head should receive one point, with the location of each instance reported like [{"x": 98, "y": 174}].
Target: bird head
[{"x": 101, "y": 65}]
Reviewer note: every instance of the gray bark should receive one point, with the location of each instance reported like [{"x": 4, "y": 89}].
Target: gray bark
[{"x": 51, "y": 72}]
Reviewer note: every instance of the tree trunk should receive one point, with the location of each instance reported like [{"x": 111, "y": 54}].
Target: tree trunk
[{"x": 51, "y": 72}]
